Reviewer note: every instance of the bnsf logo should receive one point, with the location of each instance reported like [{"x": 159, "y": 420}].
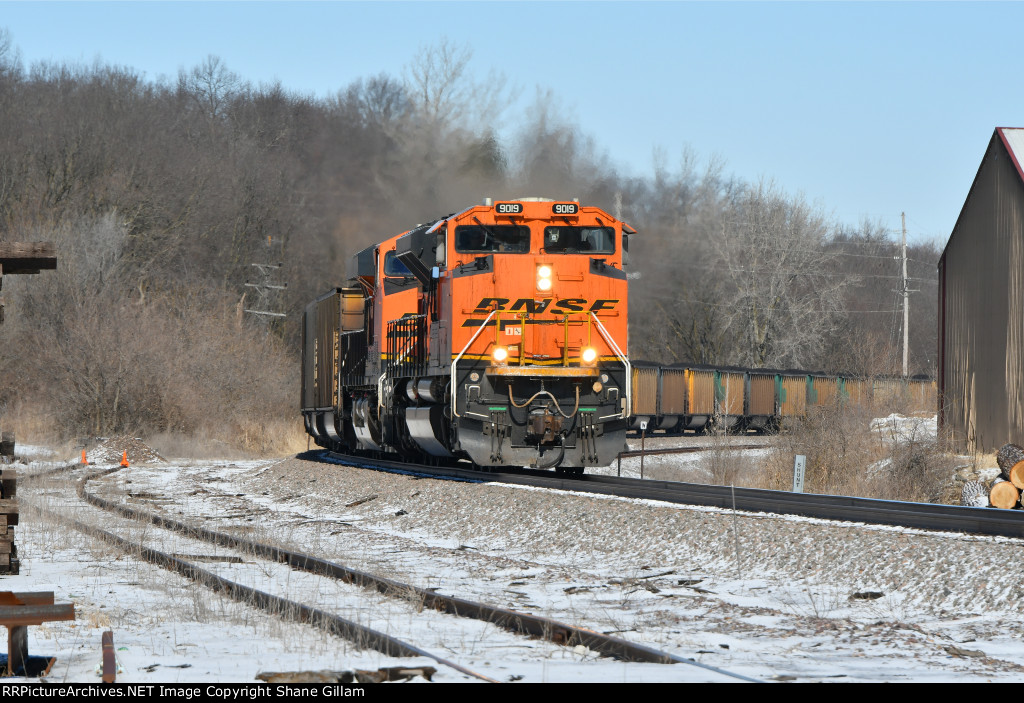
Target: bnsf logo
[
  {"x": 527, "y": 305},
  {"x": 508, "y": 208}
]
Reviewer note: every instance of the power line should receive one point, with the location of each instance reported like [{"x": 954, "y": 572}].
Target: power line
[
  {"x": 721, "y": 266},
  {"x": 734, "y": 306}
]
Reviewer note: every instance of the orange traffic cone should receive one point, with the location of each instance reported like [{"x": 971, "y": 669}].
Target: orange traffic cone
[
  {"x": 124, "y": 459},
  {"x": 85, "y": 462}
]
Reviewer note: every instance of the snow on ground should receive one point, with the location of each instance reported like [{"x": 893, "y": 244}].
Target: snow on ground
[
  {"x": 765, "y": 596},
  {"x": 907, "y": 428}
]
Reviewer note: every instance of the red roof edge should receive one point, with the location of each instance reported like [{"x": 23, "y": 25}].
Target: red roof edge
[
  {"x": 1013, "y": 157},
  {"x": 1009, "y": 150}
]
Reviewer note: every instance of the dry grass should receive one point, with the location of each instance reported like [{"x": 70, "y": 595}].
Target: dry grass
[
  {"x": 845, "y": 456},
  {"x": 272, "y": 438},
  {"x": 724, "y": 465}
]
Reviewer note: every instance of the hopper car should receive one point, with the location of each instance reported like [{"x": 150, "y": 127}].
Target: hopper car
[{"x": 680, "y": 397}]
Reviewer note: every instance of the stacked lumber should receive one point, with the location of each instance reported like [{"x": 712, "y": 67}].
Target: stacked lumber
[
  {"x": 1005, "y": 491},
  {"x": 22, "y": 258},
  {"x": 8, "y": 519}
]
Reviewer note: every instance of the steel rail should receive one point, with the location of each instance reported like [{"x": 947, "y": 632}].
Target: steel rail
[
  {"x": 360, "y": 635},
  {"x": 872, "y": 511},
  {"x": 518, "y": 622},
  {"x": 687, "y": 450}
]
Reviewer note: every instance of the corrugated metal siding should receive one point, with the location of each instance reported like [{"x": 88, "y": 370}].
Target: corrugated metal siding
[
  {"x": 730, "y": 395},
  {"x": 794, "y": 396},
  {"x": 982, "y": 310},
  {"x": 888, "y": 392},
  {"x": 328, "y": 319},
  {"x": 673, "y": 391},
  {"x": 308, "y": 356},
  {"x": 855, "y": 390},
  {"x": 352, "y": 309},
  {"x": 922, "y": 396},
  {"x": 701, "y": 391},
  {"x": 826, "y": 390},
  {"x": 762, "y": 394},
  {"x": 645, "y": 390}
]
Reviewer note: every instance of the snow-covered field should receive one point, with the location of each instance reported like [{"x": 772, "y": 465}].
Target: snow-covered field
[{"x": 769, "y": 597}]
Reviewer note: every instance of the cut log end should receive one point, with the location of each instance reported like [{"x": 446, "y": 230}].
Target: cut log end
[
  {"x": 1003, "y": 494},
  {"x": 1007, "y": 456},
  {"x": 1016, "y": 475}
]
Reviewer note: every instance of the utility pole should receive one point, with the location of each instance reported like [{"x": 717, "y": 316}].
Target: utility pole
[
  {"x": 266, "y": 290},
  {"x": 906, "y": 294}
]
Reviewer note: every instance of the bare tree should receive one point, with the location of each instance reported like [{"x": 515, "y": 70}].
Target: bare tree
[
  {"x": 210, "y": 84},
  {"x": 786, "y": 295},
  {"x": 10, "y": 56},
  {"x": 445, "y": 95},
  {"x": 436, "y": 81},
  {"x": 382, "y": 101}
]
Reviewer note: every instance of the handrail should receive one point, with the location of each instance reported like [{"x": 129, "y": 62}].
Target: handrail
[
  {"x": 472, "y": 339},
  {"x": 625, "y": 360},
  {"x": 391, "y": 362},
  {"x": 604, "y": 333}
]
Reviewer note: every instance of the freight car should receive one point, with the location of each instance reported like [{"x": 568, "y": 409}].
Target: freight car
[
  {"x": 497, "y": 335},
  {"x": 698, "y": 397}
]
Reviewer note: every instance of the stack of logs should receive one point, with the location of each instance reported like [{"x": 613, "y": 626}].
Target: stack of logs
[
  {"x": 8, "y": 506},
  {"x": 22, "y": 258},
  {"x": 1005, "y": 490}
]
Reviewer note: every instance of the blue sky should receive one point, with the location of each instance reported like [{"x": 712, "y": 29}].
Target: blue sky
[{"x": 867, "y": 109}]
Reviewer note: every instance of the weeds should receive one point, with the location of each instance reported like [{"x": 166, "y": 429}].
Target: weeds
[
  {"x": 721, "y": 462},
  {"x": 846, "y": 455},
  {"x": 817, "y": 602}
]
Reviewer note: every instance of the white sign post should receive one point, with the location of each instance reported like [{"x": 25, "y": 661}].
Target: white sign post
[
  {"x": 643, "y": 436},
  {"x": 799, "y": 464}
]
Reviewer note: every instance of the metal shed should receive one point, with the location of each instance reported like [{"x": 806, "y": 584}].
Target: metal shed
[{"x": 981, "y": 306}]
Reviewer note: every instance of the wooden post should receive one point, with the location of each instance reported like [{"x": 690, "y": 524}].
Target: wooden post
[
  {"x": 17, "y": 648},
  {"x": 109, "y": 658},
  {"x": 20, "y": 610}
]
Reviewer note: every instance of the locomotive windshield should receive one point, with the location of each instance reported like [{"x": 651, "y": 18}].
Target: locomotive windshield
[
  {"x": 574, "y": 240},
  {"x": 393, "y": 266},
  {"x": 503, "y": 239}
]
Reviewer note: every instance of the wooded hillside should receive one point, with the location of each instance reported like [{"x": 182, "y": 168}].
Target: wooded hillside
[{"x": 161, "y": 196}]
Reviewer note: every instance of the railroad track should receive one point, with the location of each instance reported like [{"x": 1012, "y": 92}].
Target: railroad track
[
  {"x": 926, "y": 516},
  {"x": 516, "y": 622}
]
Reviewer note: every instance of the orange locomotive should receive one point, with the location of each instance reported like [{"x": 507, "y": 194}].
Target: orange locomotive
[{"x": 497, "y": 335}]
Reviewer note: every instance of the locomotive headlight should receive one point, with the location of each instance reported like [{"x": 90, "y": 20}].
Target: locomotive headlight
[
  {"x": 500, "y": 355},
  {"x": 544, "y": 277},
  {"x": 589, "y": 355}
]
